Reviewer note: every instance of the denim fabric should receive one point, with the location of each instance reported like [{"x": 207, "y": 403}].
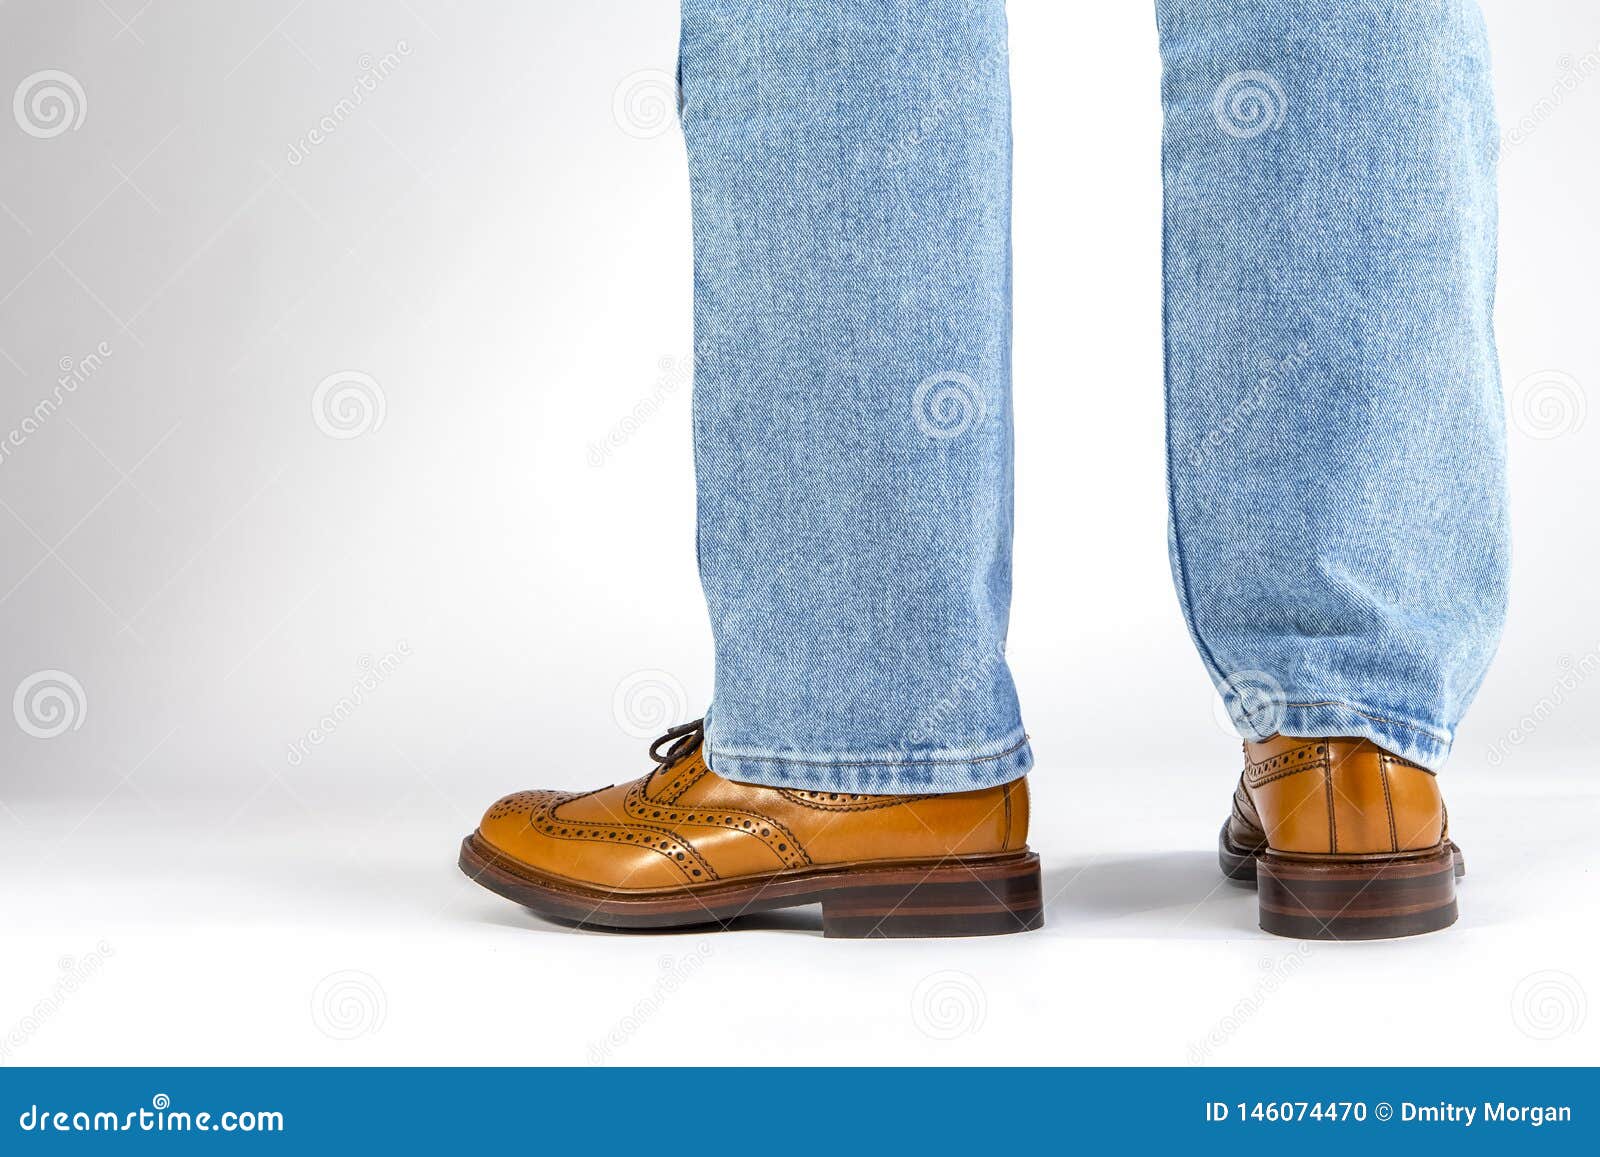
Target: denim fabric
[
  {"x": 1336, "y": 456},
  {"x": 1338, "y": 520},
  {"x": 850, "y": 164}
]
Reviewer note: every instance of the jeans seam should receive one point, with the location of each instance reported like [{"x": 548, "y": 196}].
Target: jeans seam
[
  {"x": 1437, "y": 736},
  {"x": 1012, "y": 750}
]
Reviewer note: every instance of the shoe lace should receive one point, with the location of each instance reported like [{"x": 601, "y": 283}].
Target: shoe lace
[{"x": 685, "y": 739}]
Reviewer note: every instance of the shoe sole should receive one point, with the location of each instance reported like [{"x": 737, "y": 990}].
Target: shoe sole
[
  {"x": 1374, "y": 897},
  {"x": 962, "y": 896}
]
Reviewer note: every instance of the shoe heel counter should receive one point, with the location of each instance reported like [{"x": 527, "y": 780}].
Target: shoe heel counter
[
  {"x": 1018, "y": 812},
  {"x": 1352, "y": 798},
  {"x": 1416, "y": 805}
]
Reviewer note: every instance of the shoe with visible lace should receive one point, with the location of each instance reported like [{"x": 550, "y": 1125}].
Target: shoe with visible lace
[{"x": 683, "y": 846}]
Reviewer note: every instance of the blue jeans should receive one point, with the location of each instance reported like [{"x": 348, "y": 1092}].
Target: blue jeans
[{"x": 1335, "y": 430}]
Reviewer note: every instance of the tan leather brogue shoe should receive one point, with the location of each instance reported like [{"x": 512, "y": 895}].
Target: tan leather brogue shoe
[
  {"x": 1343, "y": 840},
  {"x": 683, "y": 846}
]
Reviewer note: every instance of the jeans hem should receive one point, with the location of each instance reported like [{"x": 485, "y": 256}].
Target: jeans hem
[
  {"x": 1326, "y": 719},
  {"x": 888, "y": 773}
]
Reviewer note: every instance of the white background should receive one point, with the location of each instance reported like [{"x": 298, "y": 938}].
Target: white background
[{"x": 508, "y": 259}]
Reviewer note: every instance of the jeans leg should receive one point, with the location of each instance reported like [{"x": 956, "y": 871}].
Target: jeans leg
[
  {"x": 850, "y": 169},
  {"x": 1335, "y": 428}
]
